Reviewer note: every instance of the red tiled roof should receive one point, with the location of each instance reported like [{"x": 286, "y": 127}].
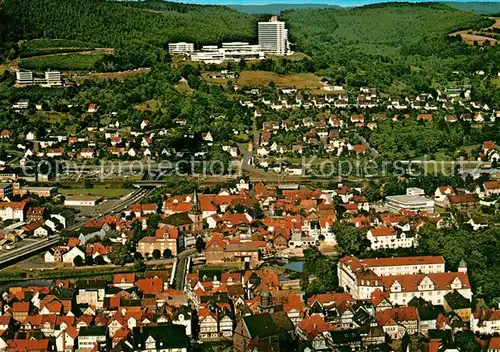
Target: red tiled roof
[
  {"x": 359, "y": 148},
  {"x": 425, "y": 117},
  {"x": 13, "y": 205},
  {"x": 446, "y": 189},
  {"x": 150, "y": 286},
  {"x": 382, "y": 231},
  {"x": 378, "y": 296},
  {"x": 395, "y": 261},
  {"x": 400, "y": 314},
  {"x": 489, "y": 145},
  {"x": 124, "y": 278},
  {"x": 463, "y": 198},
  {"x": 441, "y": 281},
  {"x": 294, "y": 303},
  {"x": 216, "y": 239},
  {"x": 494, "y": 343},
  {"x": 73, "y": 242},
  {"x": 23, "y": 307},
  {"x": 491, "y": 185},
  {"x": 314, "y": 325},
  {"x": 326, "y": 298},
  {"x": 18, "y": 345},
  {"x": 71, "y": 331}
]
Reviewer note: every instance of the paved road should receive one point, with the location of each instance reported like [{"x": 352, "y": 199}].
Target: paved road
[
  {"x": 180, "y": 272},
  {"x": 373, "y": 151}
]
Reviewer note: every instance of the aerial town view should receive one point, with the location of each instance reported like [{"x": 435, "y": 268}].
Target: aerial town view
[{"x": 249, "y": 176}]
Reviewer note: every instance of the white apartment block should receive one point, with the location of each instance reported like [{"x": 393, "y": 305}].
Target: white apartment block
[
  {"x": 180, "y": 48},
  {"x": 50, "y": 79},
  {"x": 53, "y": 78},
  {"x": 24, "y": 77},
  {"x": 387, "y": 237},
  {"x": 12, "y": 210},
  {"x": 273, "y": 36}
]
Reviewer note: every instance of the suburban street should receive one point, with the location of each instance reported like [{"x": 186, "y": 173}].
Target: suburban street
[
  {"x": 12, "y": 256},
  {"x": 180, "y": 272}
]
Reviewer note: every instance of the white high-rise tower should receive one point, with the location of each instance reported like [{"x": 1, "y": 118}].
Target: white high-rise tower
[{"x": 273, "y": 36}]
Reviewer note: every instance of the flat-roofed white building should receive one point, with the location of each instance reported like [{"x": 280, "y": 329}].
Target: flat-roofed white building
[
  {"x": 233, "y": 51},
  {"x": 24, "y": 78},
  {"x": 81, "y": 201},
  {"x": 413, "y": 200},
  {"x": 53, "y": 78},
  {"x": 180, "y": 48}
]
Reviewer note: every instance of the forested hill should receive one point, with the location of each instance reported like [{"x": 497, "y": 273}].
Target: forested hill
[
  {"x": 392, "y": 24},
  {"x": 276, "y": 9},
  {"x": 108, "y": 23},
  {"x": 483, "y": 8}
]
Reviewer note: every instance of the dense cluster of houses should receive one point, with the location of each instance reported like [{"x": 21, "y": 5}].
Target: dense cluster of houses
[
  {"x": 249, "y": 223},
  {"x": 127, "y": 314},
  {"x": 338, "y": 98},
  {"x": 382, "y": 300},
  {"x": 22, "y": 219}
]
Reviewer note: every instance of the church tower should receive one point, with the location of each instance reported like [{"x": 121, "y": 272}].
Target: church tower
[
  {"x": 462, "y": 266},
  {"x": 266, "y": 302},
  {"x": 195, "y": 213}
]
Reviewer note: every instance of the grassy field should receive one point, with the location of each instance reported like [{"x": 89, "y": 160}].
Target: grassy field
[
  {"x": 52, "y": 46},
  {"x": 96, "y": 191},
  {"x": 263, "y": 78},
  {"x": 496, "y": 81},
  {"x": 64, "y": 62},
  {"x": 56, "y": 118},
  {"x": 150, "y": 105},
  {"x": 471, "y": 38},
  {"x": 120, "y": 76}
]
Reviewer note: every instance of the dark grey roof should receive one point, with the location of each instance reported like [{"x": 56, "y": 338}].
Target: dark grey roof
[
  {"x": 456, "y": 301},
  {"x": 166, "y": 336},
  {"x": 93, "y": 331},
  {"x": 261, "y": 325},
  {"x": 178, "y": 219}
]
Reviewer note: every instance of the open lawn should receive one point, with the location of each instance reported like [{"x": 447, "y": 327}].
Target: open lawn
[
  {"x": 496, "y": 81},
  {"x": 150, "y": 105},
  {"x": 59, "y": 118},
  {"x": 120, "y": 76},
  {"x": 263, "y": 78},
  {"x": 45, "y": 46},
  {"x": 470, "y": 38},
  {"x": 96, "y": 191},
  {"x": 64, "y": 62}
]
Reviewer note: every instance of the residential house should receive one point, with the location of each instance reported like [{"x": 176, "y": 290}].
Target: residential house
[{"x": 275, "y": 331}]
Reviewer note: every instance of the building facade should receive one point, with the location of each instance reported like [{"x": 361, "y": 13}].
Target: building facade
[{"x": 273, "y": 36}]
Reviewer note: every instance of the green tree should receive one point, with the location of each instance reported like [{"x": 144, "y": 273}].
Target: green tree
[
  {"x": 99, "y": 260},
  {"x": 156, "y": 254},
  {"x": 200, "y": 244},
  {"x": 167, "y": 253},
  {"x": 138, "y": 256},
  {"x": 89, "y": 261},
  {"x": 78, "y": 261},
  {"x": 119, "y": 254},
  {"x": 351, "y": 240}
]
